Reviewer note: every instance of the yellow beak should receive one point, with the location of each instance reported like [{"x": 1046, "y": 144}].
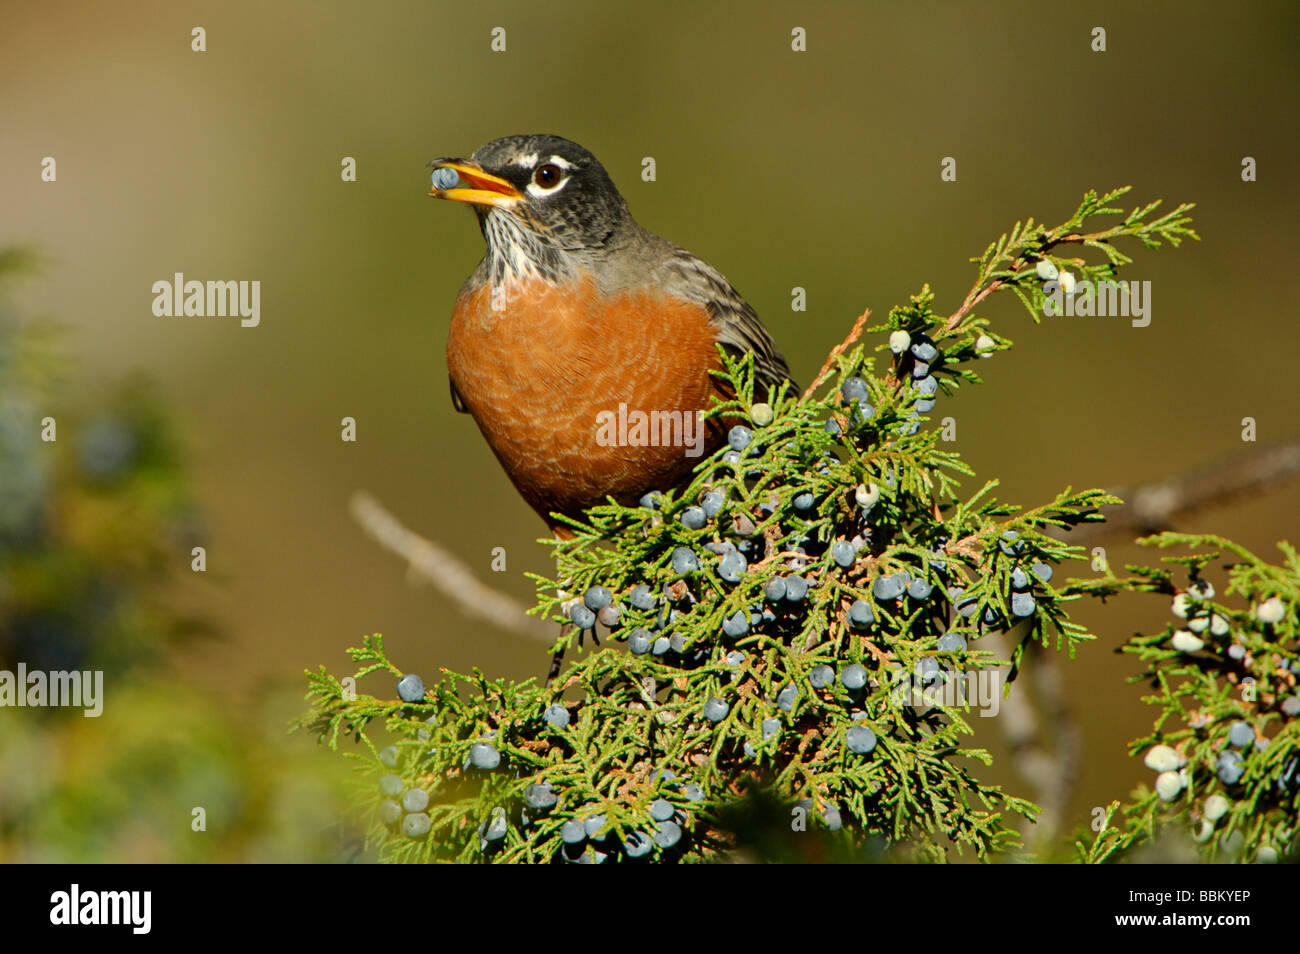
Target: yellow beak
[{"x": 484, "y": 188}]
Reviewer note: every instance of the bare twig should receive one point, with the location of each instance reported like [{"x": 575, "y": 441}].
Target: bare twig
[
  {"x": 838, "y": 350},
  {"x": 1149, "y": 508},
  {"x": 432, "y": 564}
]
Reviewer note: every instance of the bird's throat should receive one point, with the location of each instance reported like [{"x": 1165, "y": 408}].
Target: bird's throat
[{"x": 517, "y": 252}]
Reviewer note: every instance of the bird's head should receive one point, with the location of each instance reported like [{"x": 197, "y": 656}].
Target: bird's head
[{"x": 543, "y": 202}]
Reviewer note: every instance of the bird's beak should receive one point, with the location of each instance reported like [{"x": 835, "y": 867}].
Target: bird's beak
[{"x": 484, "y": 188}]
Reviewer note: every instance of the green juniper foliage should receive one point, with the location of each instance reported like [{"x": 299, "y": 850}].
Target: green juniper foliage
[
  {"x": 1226, "y": 742},
  {"x": 802, "y": 620}
]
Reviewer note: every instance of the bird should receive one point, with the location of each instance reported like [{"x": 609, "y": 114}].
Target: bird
[{"x": 576, "y": 311}]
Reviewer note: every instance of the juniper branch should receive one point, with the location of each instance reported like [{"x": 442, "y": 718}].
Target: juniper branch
[
  {"x": 839, "y": 559},
  {"x": 1007, "y": 262}
]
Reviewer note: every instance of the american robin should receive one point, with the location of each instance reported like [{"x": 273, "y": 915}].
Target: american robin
[{"x": 575, "y": 313}]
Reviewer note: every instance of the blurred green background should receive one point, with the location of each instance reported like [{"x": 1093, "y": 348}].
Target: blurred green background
[{"x": 816, "y": 169}]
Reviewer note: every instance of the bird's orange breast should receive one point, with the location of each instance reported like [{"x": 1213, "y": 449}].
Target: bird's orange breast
[{"x": 555, "y": 377}]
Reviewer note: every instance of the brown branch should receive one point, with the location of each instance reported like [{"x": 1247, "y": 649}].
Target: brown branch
[
  {"x": 1149, "y": 508},
  {"x": 975, "y": 296},
  {"x": 838, "y": 350},
  {"x": 440, "y": 568}
]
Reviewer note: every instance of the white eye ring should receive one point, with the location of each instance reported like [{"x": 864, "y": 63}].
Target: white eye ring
[{"x": 550, "y": 170}]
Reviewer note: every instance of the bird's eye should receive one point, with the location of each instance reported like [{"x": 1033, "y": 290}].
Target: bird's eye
[{"x": 547, "y": 176}]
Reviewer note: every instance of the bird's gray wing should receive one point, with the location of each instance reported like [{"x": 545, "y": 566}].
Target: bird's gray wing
[{"x": 739, "y": 328}]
